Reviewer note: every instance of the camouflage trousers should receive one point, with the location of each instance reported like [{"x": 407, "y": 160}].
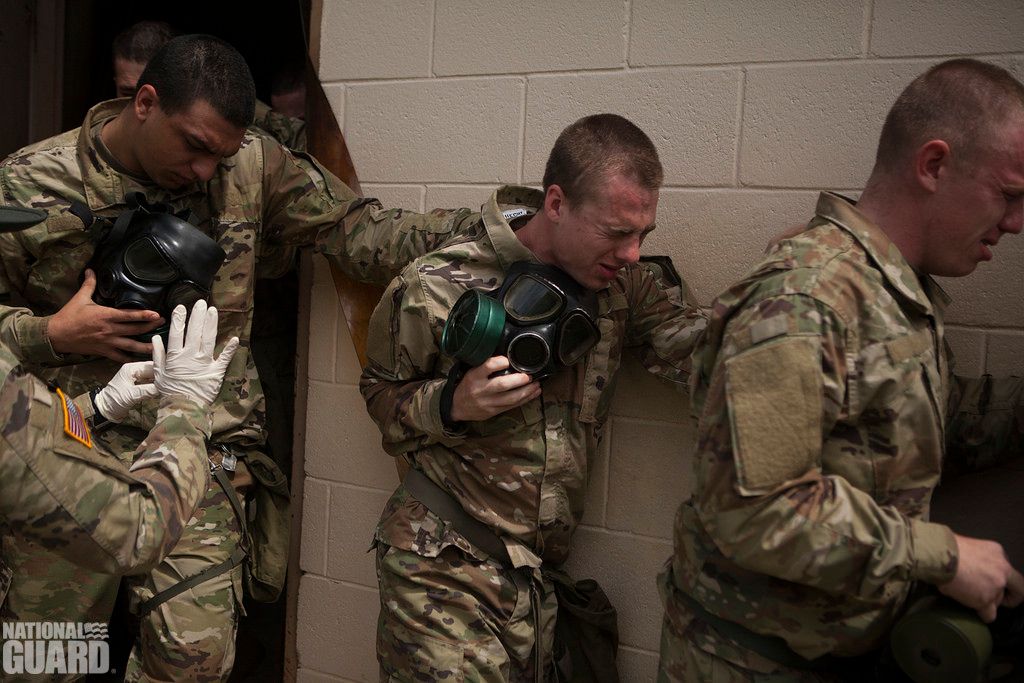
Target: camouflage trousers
[
  {"x": 456, "y": 618},
  {"x": 192, "y": 635},
  {"x": 189, "y": 637},
  {"x": 45, "y": 587},
  {"x": 692, "y": 652}
]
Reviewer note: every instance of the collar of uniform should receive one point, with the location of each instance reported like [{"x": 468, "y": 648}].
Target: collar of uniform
[
  {"x": 506, "y": 245},
  {"x": 104, "y": 186},
  {"x": 842, "y": 211}
]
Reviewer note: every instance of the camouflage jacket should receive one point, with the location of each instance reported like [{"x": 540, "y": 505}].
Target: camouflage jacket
[
  {"x": 523, "y": 472},
  {"x": 290, "y": 132},
  {"x": 263, "y": 197},
  {"x": 821, "y": 389},
  {"x": 58, "y": 489}
]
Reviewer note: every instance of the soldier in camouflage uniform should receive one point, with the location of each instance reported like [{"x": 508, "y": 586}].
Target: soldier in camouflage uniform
[
  {"x": 64, "y": 493},
  {"x": 515, "y": 454},
  {"x": 181, "y": 140},
  {"x": 60, "y": 489},
  {"x": 826, "y": 404}
]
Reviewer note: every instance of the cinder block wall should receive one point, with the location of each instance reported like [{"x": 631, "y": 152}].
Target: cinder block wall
[{"x": 754, "y": 106}]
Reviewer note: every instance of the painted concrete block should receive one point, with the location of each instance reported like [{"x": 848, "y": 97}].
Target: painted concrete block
[
  {"x": 690, "y": 115},
  {"x": 715, "y": 237},
  {"x": 342, "y": 442},
  {"x": 699, "y": 32},
  {"x": 445, "y": 130},
  {"x": 337, "y": 628},
  {"x": 528, "y": 36},
  {"x": 650, "y": 473},
  {"x": 316, "y": 503},
  {"x": 380, "y": 39},
  {"x": 946, "y": 27},
  {"x": 817, "y": 126},
  {"x": 1005, "y": 354},
  {"x": 353, "y": 516},
  {"x": 458, "y": 196},
  {"x": 968, "y": 346}
]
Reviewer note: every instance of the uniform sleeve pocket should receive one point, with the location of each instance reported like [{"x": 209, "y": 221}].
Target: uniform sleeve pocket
[{"x": 775, "y": 403}]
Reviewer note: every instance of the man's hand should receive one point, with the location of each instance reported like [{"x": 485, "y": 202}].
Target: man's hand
[
  {"x": 480, "y": 396},
  {"x": 984, "y": 578},
  {"x": 132, "y": 384},
  {"x": 86, "y": 328}
]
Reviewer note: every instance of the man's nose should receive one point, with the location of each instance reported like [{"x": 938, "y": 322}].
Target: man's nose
[
  {"x": 630, "y": 251},
  {"x": 1013, "y": 219},
  {"x": 204, "y": 167}
]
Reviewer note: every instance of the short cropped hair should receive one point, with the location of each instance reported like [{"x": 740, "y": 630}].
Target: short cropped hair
[
  {"x": 140, "y": 41},
  {"x": 960, "y": 101},
  {"x": 594, "y": 149},
  {"x": 200, "y": 67}
]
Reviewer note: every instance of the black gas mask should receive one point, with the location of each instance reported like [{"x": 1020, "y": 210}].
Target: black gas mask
[
  {"x": 150, "y": 258},
  {"x": 540, "y": 319}
]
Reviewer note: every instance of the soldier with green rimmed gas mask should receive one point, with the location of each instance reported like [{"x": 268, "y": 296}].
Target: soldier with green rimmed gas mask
[{"x": 469, "y": 546}]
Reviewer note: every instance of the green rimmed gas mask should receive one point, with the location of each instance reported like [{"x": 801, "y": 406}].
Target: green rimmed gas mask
[{"x": 540, "y": 319}]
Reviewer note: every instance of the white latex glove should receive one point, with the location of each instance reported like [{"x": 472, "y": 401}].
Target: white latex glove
[
  {"x": 188, "y": 367},
  {"x": 132, "y": 384}
]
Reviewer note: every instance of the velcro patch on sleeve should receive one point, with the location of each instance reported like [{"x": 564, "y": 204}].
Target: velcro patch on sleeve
[
  {"x": 775, "y": 404},
  {"x": 74, "y": 423}
]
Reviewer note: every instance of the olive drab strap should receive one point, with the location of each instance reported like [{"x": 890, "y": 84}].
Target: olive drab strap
[
  {"x": 441, "y": 503},
  {"x": 236, "y": 558}
]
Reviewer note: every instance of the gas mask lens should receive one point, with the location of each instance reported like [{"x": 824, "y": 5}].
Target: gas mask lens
[
  {"x": 146, "y": 263},
  {"x": 532, "y": 300},
  {"x": 579, "y": 335}
]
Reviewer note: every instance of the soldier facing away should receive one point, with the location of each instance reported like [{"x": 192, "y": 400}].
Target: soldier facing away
[
  {"x": 468, "y": 545},
  {"x": 827, "y": 404},
  {"x": 180, "y": 141}
]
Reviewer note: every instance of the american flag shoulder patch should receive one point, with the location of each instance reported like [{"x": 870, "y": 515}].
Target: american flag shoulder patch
[{"x": 74, "y": 423}]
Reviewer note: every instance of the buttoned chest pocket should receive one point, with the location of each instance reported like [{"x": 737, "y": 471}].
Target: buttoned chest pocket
[
  {"x": 897, "y": 374},
  {"x": 898, "y": 398}
]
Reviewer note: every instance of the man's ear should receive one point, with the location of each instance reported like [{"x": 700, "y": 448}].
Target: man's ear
[
  {"x": 932, "y": 159},
  {"x": 146, "y": 101},
  {"x": 555, "y": 204}
]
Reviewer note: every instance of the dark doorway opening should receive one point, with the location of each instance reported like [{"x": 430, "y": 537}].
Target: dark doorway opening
[{"x": 271, "y": 37}]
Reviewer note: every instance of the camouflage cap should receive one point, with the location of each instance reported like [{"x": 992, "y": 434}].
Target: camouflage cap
[{"x": 14, "y": 218}]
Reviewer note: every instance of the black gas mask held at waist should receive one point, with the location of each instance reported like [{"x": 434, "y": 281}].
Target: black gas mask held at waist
[
  {"x": 540, "y": 319},
  {"x": 150, "y": 258}
]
